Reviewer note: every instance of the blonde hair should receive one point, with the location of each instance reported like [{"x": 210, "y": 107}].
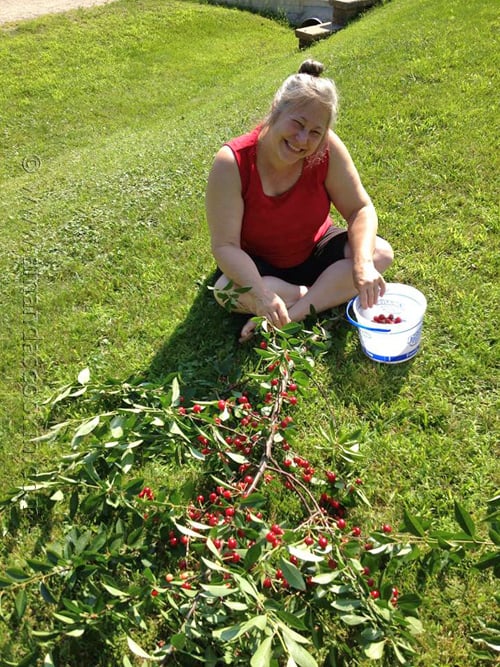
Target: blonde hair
[{"x": 305, "y": 86}]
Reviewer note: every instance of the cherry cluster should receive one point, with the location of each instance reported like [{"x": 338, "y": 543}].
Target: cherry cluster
[{"x": 387, "y": 319}]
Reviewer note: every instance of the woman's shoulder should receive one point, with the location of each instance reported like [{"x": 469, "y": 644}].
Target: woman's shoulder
[{"x": 247, "y": 140}]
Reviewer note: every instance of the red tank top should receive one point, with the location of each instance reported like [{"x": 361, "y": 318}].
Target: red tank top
[{"x": 284, "y": 229}]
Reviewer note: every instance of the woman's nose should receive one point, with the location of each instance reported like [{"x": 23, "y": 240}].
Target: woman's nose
[{"x": 303, "y": 136}]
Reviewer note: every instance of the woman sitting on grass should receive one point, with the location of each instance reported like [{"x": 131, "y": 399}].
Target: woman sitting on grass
[{"x": 268, "y": 203}]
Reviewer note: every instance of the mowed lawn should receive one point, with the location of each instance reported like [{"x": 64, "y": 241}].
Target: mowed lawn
[{"x": 110, "y": 118}]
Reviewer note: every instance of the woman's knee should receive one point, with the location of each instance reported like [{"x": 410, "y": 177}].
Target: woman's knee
[{"x": 383, "y": 255}]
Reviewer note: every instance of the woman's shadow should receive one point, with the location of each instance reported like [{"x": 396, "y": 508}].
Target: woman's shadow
[{"x": 204, "y": 348}]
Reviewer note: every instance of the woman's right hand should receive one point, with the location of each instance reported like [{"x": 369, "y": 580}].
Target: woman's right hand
[{"x": 273, "y": 308}]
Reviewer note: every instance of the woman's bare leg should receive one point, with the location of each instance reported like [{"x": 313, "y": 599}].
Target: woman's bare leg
[{"x": 333, "y": 287}]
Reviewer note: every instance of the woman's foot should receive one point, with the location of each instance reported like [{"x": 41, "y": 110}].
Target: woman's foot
[{"x": 248, "y": 331}]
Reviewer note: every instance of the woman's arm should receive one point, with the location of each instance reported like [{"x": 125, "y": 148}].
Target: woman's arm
[
  {"x": 353, "y": 203},
  {"x": 224, "y": 208}
]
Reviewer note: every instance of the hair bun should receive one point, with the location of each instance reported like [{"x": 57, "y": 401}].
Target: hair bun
[{"x": 312, "y": 67}]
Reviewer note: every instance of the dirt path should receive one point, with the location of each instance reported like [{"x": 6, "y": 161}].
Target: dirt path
[{"x": 16, "y": 10}]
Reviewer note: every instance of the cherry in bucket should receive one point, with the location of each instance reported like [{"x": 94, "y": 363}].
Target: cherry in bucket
[{"x": 386, "y": 319}]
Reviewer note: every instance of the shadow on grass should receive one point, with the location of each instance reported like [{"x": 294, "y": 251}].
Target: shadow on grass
[{"x": 204, "y": 348}]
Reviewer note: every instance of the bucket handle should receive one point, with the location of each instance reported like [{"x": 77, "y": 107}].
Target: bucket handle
[{"x": 357, "y": 324}]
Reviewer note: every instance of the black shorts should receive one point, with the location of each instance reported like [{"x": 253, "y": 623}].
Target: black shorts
[{"x": 328, "y": 250}]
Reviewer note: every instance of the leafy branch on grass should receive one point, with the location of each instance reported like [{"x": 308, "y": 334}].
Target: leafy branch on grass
[{"x": 207, "y": 564}]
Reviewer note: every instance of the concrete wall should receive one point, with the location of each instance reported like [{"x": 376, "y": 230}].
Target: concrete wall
[{"x": 296, "y": 11}]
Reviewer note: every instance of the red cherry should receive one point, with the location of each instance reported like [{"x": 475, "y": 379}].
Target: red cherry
[
  {"x": 232, "y": 543},
  {"x": 322, "y": 542},
  {"x": 263, "y": 345},
  {"x": 387, "y": 528},
  {"x": 341, "y": 524},
  {"x": 154, "y": 593},
  {"x": 197, "y": 408},
  {"x": 375, "y": 594},
  {"x": 308, "y": 540},
  {"x": 267, "y": 583},
  {"x": 356, "y": 531}
]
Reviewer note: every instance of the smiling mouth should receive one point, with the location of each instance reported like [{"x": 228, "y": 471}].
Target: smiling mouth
[{"x": 294, "y": 149}]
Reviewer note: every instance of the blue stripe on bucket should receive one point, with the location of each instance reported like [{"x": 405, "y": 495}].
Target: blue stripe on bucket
[{"x": 391, "y": 360}]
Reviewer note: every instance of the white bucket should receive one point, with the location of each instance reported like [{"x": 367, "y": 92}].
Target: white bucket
[{"x": 390, "y": 343}]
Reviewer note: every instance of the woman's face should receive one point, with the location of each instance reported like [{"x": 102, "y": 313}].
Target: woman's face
[{"x": 299, "y": 132}]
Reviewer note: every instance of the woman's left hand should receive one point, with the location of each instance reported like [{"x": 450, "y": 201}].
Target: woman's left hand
[{"x": 369, "y": 283}]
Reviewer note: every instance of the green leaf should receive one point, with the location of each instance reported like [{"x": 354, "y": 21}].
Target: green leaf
[
  {"x": 464, "y": 520},
  {"x": 46, "y": 594},
  {"x": 176, "y": 392},
  {"x": 325, "y": 578},
  {"x": 178, "y": 640},
  {"x": 413, "y": 524},
  {"x": 375, "y": 650},
  {"x": 488, "y": 560},
  {"x": 77, "y": 632},
  {"x": 246, "y": 586},
  {"x": 87, "y": 427},
  {"x": 38, "y": 565},
  {"x": 64, "y": 618},
  {"x": 302, "y": 657},
  {"x": 262, "y": 656},
  {"x": 57, "y": 496},
  {"x": 115, "y": 592},
  {"x": 138, "y": 651},
  {"x": 291, "y": 619},
  {"x": 20, "y": 603},
  {"x": 293, "y": 575},
  {"x": 16, "y": 574},
  {"x": 48, "y": 661},
  {"x": 494, "y": 536},
  {"x": 409, "y": 601},
  {"x": 235, "y": 606},
  {"x": 84, "y": 376},
  {"x": 218, "y": 591},
  {"x": 346, "y": 605},
  {"x": 353, "y": 619},
  {"x": 252, "y": 555},
  {"x": 415, "y": 625},
  {"x": 73, "y": 504},
  {"x": 305, "y": 555}
]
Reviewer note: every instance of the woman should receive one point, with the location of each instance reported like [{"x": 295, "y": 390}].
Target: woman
[{"x": 268, "y": 201}]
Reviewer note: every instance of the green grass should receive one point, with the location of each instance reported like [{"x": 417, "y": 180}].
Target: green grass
[{"x": 126, "y": 104}]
